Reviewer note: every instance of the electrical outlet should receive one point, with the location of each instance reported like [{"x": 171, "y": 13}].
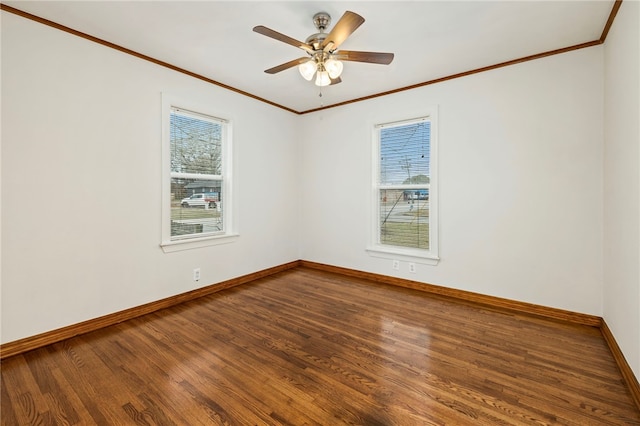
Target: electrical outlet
[
  {"x": 196, "y": 274},
  {"x": 412, "y": 268},
  {"x": 396, "y": 265}
]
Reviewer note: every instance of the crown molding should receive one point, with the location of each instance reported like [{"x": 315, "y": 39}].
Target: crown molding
[{"x": 43, "y": 21}]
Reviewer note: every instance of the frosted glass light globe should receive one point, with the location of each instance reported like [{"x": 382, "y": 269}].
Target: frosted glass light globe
[
  {"x": 307, "y": 69},
  {"x": 322, "y": 79},
  {"x": 333, "y": 67}
]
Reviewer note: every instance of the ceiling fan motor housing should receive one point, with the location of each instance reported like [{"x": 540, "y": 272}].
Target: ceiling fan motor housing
[
  {"x": 321, "y": 20},
  {"x": 316, "y": 40}
]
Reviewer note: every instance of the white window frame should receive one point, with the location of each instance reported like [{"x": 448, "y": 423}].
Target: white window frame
[
  {"x": 408, "y": 254},
  {"x": 228, "y": 233}
]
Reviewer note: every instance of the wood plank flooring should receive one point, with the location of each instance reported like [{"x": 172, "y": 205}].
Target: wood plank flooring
[{"x": 306, "y": 347}]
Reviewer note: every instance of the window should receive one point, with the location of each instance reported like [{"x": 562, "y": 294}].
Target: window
[
  {"x": 405, "y": 194},
  {"x": 197, "y": 189}
]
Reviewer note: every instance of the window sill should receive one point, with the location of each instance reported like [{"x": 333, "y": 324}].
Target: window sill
[
  {"x": 406, "y": 255},
  {"x": 194, "y": 243}
]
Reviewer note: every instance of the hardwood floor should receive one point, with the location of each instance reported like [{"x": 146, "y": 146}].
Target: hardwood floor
[{"x": 312, "y": 347}]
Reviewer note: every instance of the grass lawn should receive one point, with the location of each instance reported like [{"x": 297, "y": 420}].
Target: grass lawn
[
  {"x": 417, "y": 212},
  {"x": 187, "y": 221},
  {"x": 405, "y": 234},
  {"x": 181, "y": 213}
]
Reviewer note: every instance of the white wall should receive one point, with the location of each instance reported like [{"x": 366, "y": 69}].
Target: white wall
[
  {"x": 520, "y": 181},
  {"x": 622, "y": 182},
  {"x": 81, "y": 173}
]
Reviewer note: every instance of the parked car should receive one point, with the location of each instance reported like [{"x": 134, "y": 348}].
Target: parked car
[{"x": 208, "y": 199}]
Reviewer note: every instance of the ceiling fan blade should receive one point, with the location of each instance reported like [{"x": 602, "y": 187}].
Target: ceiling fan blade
[
  {"x": 347, "y": 24},
  {"x": 371, "y": 57},
  {"x": 335, "y": 81},
  {"x": 286, "y": 65},
  {"x": 260, "y": 29}
]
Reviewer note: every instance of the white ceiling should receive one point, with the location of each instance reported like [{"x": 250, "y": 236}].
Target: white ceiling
[{"x": 430, "y": 39}]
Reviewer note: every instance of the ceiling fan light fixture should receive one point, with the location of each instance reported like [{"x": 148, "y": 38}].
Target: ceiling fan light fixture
[
  {"x": 307, "y": 69},
  {"x": 323, "y": 79},
  {"x": 325, "y": 61},
  {"x": 333, "y": 67}
]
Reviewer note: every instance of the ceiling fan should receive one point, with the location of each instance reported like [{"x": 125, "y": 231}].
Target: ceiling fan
[{"x": 323, "y": 57}]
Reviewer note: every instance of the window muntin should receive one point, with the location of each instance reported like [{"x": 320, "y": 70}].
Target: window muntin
[{"x": 404, "y": 191}]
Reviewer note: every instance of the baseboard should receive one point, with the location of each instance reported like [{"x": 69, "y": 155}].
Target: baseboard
[
  {"x": 491, "y": 301},
  {"x": 623, "y": 365},
  {"x": 29, "y": 343},
  {"x": 54, "y": 336}
]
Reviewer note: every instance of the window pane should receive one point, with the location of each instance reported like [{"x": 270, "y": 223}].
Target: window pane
[
  {"x": 196, "y": 144},
  {"x": 195, "y": 206},
  {"x": 404, "y": 218},
  {"x": 405, "y": 153}
]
